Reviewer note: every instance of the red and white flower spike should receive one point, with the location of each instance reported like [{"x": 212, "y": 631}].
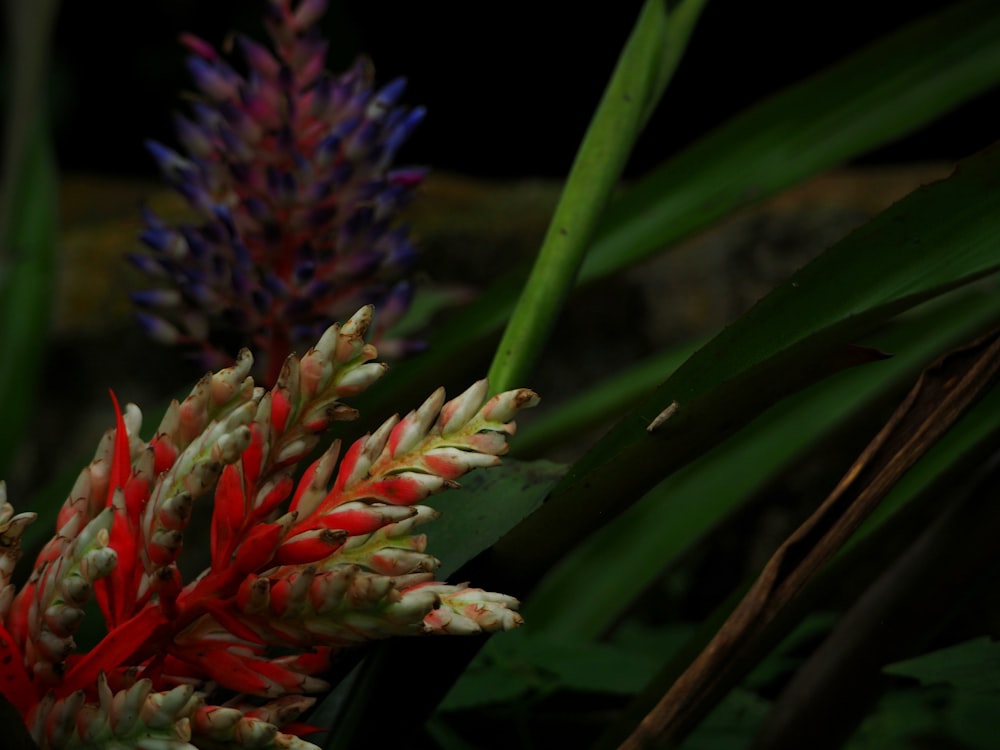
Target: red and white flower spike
[{"x": 298, "y": 571}]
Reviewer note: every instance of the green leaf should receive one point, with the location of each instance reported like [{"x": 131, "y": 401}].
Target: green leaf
[
  {"x": 529, "y": 663},
  {"x": 491, "y": 685},
  {"x": 972, "y": 719},
  {"x": 646, "y": 64},
  {"x": 488, "y": 505},
  {"x": 892, "y": 88},
  {"x": 445, "y": 737},
  {"x": 973, "y": 665},
  {"x": 609, "y": 398},
  {"x": 16, "y": 736},
  {"x": 28, "y": 219},
  {"x": 732, "y": 724},
  {"x": 936, "y": 239},
  {"x": 26, "y": 295},
  {"x": 622, "y": 559},
  {"x": 534, "y": 665},
  {"x": 590, "y": 667},
  {"x": 929, "y": 717},
  {"x": 902, "y": 717},
  {"x": 948, "y": 464}
]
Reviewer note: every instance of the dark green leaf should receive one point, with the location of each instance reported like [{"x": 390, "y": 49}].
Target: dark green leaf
[
  {"x": 605, "y": 401},
  {"x": 901, "y": 719},
  {"x": 26, "y": 295},
  {"x": 972, "y": 719},
  {"x": 28, "y": 220},
  {"x": 590, "y": 589},
  {"x": 972, "y": 665},
  {"x": 731, "y": 725},
  {"x": 540, "y": 664},
  {"x": 644, "y": 68},
  {"x": 892, "y": 88},
  {"x": 15, "y": 734},
  {"x": 486, "y": 686},
  {"x": 488, "y": 505},
  {"x": 936, "y": 239}
]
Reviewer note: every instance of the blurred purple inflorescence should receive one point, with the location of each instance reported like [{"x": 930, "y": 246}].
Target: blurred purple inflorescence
[{"x": 288, "y": 171}]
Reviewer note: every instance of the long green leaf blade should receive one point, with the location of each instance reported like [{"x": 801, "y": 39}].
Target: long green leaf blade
[
  {"x": 28, "y": 220},
  {"x": 938, "y": 238},
  {"x": 890, "y": 89},
  {"x": 643, "y": 70},
  {"x": 590, "y": 590}
]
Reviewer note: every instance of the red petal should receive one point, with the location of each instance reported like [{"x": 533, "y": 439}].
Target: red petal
[
  {"x": 121, "y": 463},
  {"x": 168, "y": 587},
  {"x": 114, "y": 650},
  {"x": 230, "y": 620},
  {"x": 230, "y": 671},
  {"x": 17, "y": 616},
  {"x": 355, "y": 521},
  {"x": 274, "y": 498},
  {"x": 308, "y": 547},
  {"x": 253, "y": 456},
  {"x": 300, "y": 728},
  {"x": 257, "y": 548},
  {"x": 317, "y": 425},
  {"x": 443, "y": 466},
  {"x": 15, "y": 684},
  {"x": 245, "y": 673},
  {"x": 398, "y": 489},
  {"x": 304, "y": 482},
  {"x": 280, "y": 408},
  {"x": 164, "y": 454},
  {"x": 228, "y": 516},
  {"x": 309, "y": 662},
  {"x": 119, "y": 587},
  {"x": 347, "y": 464},
  {"x": 136, "y": 495}
]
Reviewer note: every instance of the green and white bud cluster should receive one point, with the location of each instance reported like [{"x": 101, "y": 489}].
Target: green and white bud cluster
[
  {"x": 250, "y": 728},
  {"x": 139, "y": 718},
  {"x": 306, "y": 398},
  {"x": 12, "y": 526},
  {"x": 136, "y": 718},
  {"x": 54, "y": 598},
  {"x": 466, "y": 611}
]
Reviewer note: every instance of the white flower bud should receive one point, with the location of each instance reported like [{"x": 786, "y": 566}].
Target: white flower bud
[
  {"x": 161, "y": 710},
  {"x": 357, "y": 379},
  {"x": 457, "y": 412}
]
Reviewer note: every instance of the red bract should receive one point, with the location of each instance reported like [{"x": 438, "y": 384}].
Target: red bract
[{"x": 298, "y": 570}]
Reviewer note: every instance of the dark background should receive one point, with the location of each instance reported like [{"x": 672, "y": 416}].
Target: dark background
[{"x": 509, "y": 87}]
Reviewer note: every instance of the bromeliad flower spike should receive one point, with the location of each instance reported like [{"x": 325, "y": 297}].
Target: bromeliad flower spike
[
  {"x": 288, "y": 170},
  {"x": 299, "y": 570}
]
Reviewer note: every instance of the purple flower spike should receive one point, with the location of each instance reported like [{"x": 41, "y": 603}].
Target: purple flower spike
[{"x": 288, "y": 168}]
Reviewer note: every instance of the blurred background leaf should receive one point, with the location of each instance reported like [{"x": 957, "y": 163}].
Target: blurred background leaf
[
  {"x": 973, "y": 665},
  {"x": 28, "y": 218}
]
